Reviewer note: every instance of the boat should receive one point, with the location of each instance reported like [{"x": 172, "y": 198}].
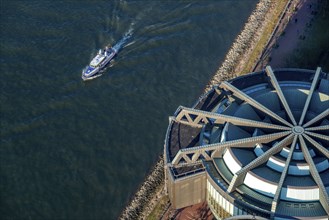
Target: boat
[{"x": 98, "y": 63}]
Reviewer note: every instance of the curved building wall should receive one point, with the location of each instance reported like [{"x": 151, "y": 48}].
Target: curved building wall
[{"x": 254, "y": 145}]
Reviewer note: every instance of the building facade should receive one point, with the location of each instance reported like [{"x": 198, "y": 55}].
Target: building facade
[{"x": 254, "y": 146}]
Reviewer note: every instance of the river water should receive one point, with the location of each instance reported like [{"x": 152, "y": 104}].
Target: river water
[{"x": 79, "y": 150}]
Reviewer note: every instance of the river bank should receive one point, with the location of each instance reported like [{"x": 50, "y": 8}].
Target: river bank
[
  {"x": 147, "y": 195},
  {"x": 247, "y": 48},
  {"x": 253, "y": 39}
]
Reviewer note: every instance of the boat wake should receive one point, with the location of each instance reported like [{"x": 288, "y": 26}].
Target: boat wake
[{"x": 124, "y": 40}]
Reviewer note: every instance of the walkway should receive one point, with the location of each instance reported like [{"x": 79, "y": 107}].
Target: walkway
[{"x": 296, "y": 30}]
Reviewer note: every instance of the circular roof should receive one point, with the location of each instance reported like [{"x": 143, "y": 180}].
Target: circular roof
[{"x": 267, "y": 135}]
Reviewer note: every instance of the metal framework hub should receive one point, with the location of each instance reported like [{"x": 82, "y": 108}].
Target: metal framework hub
[{"x": 298, "y": 130}]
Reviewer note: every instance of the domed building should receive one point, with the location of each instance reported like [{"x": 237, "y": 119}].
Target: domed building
[{"x": 256, "y": 146}]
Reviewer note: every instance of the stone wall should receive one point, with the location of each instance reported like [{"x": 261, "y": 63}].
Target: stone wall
[
  {"x": 144, "y": 200},
  {"x": 242, "y": 45}
]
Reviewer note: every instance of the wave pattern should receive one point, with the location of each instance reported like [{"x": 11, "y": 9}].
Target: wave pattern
[{"x": 76, "y": 150}]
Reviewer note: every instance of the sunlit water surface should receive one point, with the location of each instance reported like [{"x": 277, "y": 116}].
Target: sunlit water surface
[{"x": 79, "y": 150}]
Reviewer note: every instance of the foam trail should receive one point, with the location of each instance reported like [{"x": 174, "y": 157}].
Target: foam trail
[{"x": 124, "y": 39}]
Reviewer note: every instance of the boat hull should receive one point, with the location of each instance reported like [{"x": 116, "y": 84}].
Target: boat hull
[{"x": 92, "y": 72}]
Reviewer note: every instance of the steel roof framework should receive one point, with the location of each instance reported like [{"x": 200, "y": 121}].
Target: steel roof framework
[{"x": 289, "y": 133}]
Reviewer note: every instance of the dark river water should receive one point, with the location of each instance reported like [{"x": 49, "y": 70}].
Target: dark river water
[{"x": 79, "y": 150}]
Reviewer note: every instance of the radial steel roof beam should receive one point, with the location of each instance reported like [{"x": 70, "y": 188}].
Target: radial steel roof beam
[
  {"x": 321, "y": 136},
  {"x": 277, "y": 87},
  {"x": 244, "y": 142},
  {"x": 203, "y": 116},
  {"x": 323, "y": 127},
  {"x": 240, "y": 175},
  {"x": 217, "y": 90},
  {"x": 253, "y": 102},
  {"x": 317, "y": 118},
  {"x": 310, "y": 94},
  {"x": 283, "y": 176},
  {"x": 323, "y": 195},
  {"x": 322, "y": 149}
]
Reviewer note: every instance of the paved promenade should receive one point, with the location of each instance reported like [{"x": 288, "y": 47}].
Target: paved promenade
[{"x": 294, "y": 33}]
